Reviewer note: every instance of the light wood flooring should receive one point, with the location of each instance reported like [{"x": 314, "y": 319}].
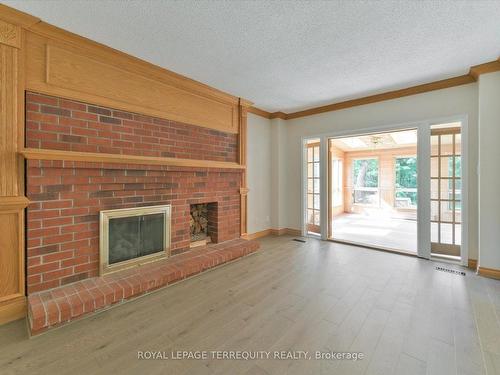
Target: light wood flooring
[
  {"x": 386, "y": 232},
  {"x": 403, "y": 314}
]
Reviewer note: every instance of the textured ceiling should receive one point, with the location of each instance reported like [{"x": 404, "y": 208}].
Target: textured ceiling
[{"x": 290, "y": 56}]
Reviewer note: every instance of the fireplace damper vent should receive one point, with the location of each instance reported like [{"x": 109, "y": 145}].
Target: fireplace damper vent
[{"x": 133, "y": 236}]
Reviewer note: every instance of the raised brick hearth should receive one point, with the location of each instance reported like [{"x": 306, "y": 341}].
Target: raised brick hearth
[{"x": 61, "y": 305}]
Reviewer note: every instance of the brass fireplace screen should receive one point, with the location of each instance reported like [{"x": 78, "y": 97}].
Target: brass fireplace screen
[{"x": 133, "y": 236}]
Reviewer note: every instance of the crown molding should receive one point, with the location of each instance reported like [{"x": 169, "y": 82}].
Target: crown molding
[
  {"x": 489, "y": 67},
  {"x": 465, "y": 79},
  {"x": 266, "y": 114},
  {"x": 414, "y": 90},
  {"x": 17, "y": 17},
  {"x": 281, "y": 115},
  {"x": 259, "y": 112}
]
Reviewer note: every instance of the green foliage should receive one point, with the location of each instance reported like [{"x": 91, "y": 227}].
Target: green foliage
[
  {"x": 406, "y": 172},
  {"x": 458, "y": 166},
  {"x": 370, "y": 169}
]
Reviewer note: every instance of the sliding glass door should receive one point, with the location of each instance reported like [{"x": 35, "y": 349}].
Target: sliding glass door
[
  {"x": 399, "y": 190},
  {"x": 378, "y": 181}
]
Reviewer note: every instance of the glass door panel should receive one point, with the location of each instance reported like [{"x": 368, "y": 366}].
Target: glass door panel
[
  {"x": 313, "y": 187},
  {"x": 446, "y": 194}
]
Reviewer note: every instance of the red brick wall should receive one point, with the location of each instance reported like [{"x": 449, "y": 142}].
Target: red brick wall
[
  {"x": 63, "y": 221},
  {"x": 60, "y": 124}
]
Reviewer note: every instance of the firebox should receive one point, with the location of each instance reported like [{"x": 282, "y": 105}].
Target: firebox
[
  {"x": 203, "y": 223},
  {"x": 133, "y": 236}
]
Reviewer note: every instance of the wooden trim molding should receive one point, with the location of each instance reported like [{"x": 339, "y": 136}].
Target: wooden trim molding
[
  {"x": 268, "y": 115},
  {"x": 259, "y": 112},
  {"x": 12, "y": 200},
  {"x": 472, "y": 264},
  {"x": 262, "y": 233},
  {"x": 17, "y": 17},
  {"x": 273, "y": 232},
  {"x": 281, "y": 115},
  {"x": 489, "y": 272},
  {"x": 293, "y": 232},
  {"x": 489, "y": 67},
  {"x": 283, "y": 231},
  {"x": 438, "y": 85},
  {"x": 36, "y": 154},
  {"x": 9, "y": 203},
  {"x": 242, "y": 158},
  {"x": 12, "y": 288},
  {"x": 9, "y": 102},
  {"x": 102, "y": 76},
  {"x": 14, "y": 310},
  {"x": 472, "y": 76},
  {"x": 107, "y": 54}
]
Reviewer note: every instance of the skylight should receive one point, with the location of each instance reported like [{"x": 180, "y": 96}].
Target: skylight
[
  {"x": 353, "y": 142},
  {"x": 405, "y": 137}
]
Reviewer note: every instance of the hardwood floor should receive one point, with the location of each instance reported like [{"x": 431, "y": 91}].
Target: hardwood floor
[{"x": 403, "y": 314}]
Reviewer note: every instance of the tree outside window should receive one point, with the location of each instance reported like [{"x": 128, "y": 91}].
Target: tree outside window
[
  {"x": 365, "y": 179},
  {"x": 406, "y": 182}
]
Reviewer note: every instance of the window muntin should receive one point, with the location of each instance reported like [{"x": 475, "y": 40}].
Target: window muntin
[{"x": 313, "y": 185}]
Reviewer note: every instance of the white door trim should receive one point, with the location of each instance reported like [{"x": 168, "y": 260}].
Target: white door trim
[{"x": 424, "y": 169}]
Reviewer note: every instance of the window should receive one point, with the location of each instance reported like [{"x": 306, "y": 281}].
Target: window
[
  {"x": 313, "y": 188},
  {"x": 406, "y": 182},
  {"x": 365, "y": 181},
  {"x": 337, "y": 175}
]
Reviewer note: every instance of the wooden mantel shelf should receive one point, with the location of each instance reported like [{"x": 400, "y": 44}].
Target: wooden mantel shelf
[{"x": 35, "y": 154}]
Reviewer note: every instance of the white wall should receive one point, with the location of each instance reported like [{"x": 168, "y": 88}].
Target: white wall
[
  {"x": 259, "y": 173},
  {"x": 489, "y": 176},
  {"x": 279, "y": 174},
  {"x": 461, "y": 100}
]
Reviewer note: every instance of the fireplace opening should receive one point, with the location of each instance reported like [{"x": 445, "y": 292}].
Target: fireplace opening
[
  {"x": 203, "y": 223},
  {"x": 133, "y": 236}
]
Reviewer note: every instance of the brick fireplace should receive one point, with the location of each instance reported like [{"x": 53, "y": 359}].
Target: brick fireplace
[{"x": 67, "y": 196}]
